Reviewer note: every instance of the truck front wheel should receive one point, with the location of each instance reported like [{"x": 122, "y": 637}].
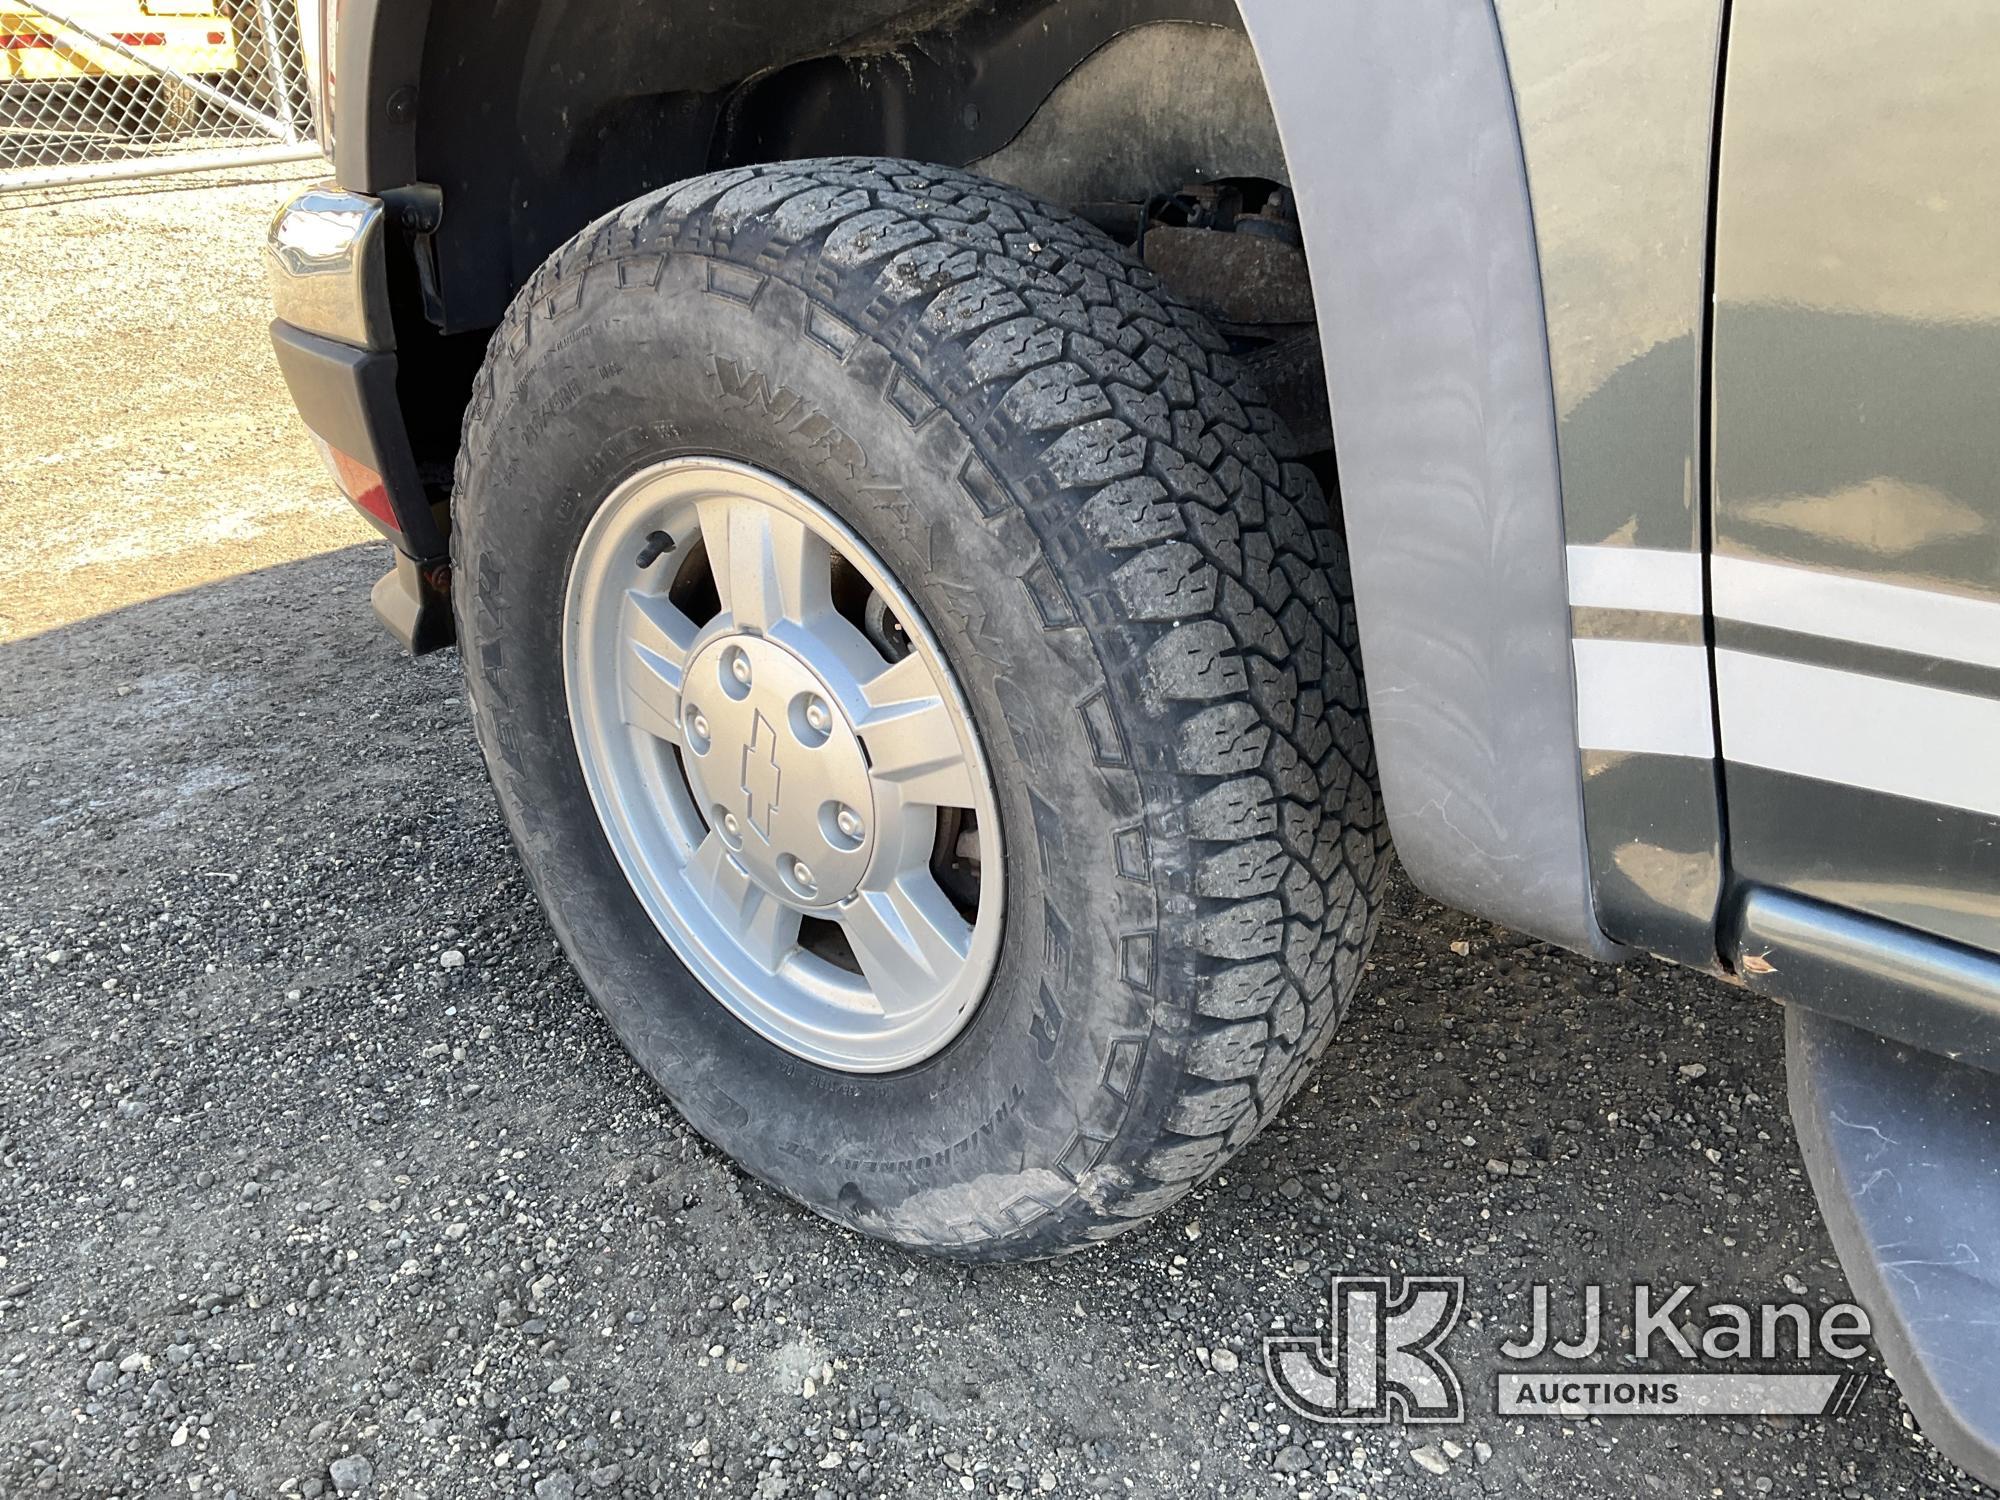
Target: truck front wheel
[{"x": 922, "y": 695}]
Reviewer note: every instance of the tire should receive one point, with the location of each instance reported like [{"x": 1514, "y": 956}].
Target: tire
[{"x": 1147, "y": 608}]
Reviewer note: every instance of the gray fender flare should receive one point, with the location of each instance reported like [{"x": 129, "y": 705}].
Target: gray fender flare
[{"x": 1399, "y": 128}]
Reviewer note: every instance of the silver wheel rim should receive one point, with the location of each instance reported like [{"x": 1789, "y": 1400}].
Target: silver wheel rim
[{"x": 795, "y": 796}]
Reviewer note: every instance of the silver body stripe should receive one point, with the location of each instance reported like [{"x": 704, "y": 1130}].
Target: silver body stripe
[
  {"x": 1903, "y": 739},
  {"x": 1635, "y": 578},
  {"x": 1841, "y": 607},
  {"x": 1862, "y": 731},
  {"x": 1640, "y": 697},
  {"x": 1643, "y": 697}
]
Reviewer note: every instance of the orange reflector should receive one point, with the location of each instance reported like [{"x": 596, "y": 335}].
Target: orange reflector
[
  {"x": 140, "y": 38},
  {"x": 360, "y": 484},
  {"x": 22, "y": 41}
]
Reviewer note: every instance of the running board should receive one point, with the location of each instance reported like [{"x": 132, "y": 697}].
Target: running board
[
  {"x": 1903, "y": 1148},
  {"x": 1892, "y": 980}
]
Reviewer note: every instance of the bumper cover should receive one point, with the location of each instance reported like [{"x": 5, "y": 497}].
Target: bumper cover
[
  {"x": 335, "y": 342},
  {"x": 347, "y": 399}
]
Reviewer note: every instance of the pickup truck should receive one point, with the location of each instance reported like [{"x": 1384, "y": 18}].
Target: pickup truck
[{"x": 913, "y": 487}]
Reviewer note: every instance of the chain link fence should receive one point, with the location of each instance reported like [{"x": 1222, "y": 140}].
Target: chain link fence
[{"x": 97, "y": 89}]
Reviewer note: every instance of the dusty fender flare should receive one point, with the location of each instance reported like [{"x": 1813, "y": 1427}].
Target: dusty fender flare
[{"x": 1399, "y": 127}]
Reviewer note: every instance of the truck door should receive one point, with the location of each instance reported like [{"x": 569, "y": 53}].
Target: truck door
[{"x": 1855, "y": 503}]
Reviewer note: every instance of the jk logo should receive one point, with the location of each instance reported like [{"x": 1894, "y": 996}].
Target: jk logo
[{"x": 1379, "y": 1358}]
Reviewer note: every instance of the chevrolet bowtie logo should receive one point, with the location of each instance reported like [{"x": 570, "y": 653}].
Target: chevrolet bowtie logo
[{"x": 760, "y": 777}]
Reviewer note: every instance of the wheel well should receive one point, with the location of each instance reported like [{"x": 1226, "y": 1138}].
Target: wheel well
[
  {"x": 519, "y": 131},
  {"x": 533, "y": 125}
]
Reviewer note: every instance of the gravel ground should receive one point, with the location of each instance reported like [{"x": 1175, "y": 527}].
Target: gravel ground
[{"x": 319, "y": 1173}]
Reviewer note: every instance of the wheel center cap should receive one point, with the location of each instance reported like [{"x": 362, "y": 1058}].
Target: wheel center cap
[{"x": 779, "y": 770}]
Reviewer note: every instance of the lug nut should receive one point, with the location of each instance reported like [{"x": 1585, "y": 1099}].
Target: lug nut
[
  {"x": 818, "y": 717},
  {"x": 803, "y": 878},
  {"x": 739, "y": 668},
  {"x": 698, "y": 725},
  {"x": 731, "y": 827},
  {"x": 848, "y": 821}
]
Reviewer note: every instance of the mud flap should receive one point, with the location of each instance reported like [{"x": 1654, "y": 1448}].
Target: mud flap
[{"x": 1903, "y": 1148}]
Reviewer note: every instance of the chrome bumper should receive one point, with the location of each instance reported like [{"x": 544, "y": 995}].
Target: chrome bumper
[{"x": 329, "y": 276}]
